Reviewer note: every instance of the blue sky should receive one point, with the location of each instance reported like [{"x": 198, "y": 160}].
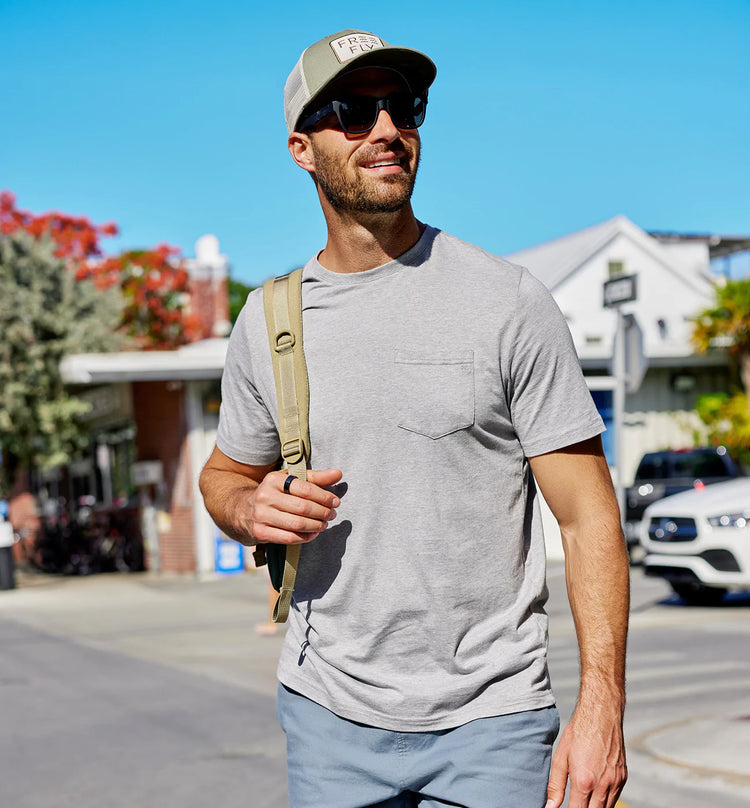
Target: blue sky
[{"x": 546, "y": 117}]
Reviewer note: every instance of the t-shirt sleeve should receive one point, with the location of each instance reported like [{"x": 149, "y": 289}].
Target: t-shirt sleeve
[
  {"x": 247, "y": 431},
  {"x": 550, "y": 404}
]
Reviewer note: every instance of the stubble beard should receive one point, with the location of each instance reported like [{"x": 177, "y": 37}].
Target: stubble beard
[{"x": 384, "y": 194}]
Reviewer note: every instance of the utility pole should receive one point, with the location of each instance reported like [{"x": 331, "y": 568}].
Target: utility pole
[
  {"x": 617, "y": 291},
  {"x": 619, "y": 372}
]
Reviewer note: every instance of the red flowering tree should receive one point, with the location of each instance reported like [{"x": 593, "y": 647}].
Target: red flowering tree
[
  {"x": 77, "y": 238},
  {"x": 154, "y": 282},
  {"x": 155, "y": 285}
]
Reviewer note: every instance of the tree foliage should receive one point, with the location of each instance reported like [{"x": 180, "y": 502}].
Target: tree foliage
[
  {"x": 76, "y": 237},
  {"x": 153, "y": 281},
  {"x": 45, "y": 314},
  {"x": 155, "y": 287},
  {"x": 727, "y": 323},
  {"x": 238, "y": 293},
  {"x": 727, "y": 422}
]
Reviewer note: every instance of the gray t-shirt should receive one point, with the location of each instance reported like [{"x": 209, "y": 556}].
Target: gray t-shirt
[{"x": 432, "y": 379}]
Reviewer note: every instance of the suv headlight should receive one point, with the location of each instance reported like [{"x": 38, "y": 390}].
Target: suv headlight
[{"x": 738, "y": 520}]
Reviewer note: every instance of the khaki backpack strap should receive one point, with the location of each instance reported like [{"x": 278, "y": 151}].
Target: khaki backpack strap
[{"x": 282, "y": 302}]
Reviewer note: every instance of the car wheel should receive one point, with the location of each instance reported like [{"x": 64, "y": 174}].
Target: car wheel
[{"x": 695, "y": 594}]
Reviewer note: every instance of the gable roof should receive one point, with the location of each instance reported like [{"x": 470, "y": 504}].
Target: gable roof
[{"x": 554, "y": 261}]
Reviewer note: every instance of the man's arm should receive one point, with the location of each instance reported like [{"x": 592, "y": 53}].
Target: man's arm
[
  {"x": 249, "y": 503},
  {"x": 577, "y": 486}
]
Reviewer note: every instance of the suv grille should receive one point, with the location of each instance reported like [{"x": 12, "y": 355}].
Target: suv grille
[{"x": 677, "y": 528}]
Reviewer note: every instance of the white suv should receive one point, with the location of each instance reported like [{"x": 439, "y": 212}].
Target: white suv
[{"x": 699, "y": 541}]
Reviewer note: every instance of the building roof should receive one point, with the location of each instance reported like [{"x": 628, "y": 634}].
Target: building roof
[
  {"x": 719, "y": 246},
  {"x": 554, "y": 261},
  {"x": 200, "y": 360}
]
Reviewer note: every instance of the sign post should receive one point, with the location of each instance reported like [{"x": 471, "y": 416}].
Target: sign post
[{"x": 619, "y": 290}]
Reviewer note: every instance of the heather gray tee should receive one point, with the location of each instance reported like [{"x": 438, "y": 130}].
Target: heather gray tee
[{"x": 432, "y": 379}]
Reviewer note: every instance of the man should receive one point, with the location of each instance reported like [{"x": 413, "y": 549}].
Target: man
[{"x": 414, "y": 667}]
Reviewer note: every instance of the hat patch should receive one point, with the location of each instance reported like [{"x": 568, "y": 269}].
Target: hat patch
[{"x": 347, "y": 47}]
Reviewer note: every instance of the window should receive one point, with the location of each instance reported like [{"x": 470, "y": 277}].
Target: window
[{"x": 616, "y": 268}]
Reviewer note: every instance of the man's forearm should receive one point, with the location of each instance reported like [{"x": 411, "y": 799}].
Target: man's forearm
[
  {"x": 597, "y": 574},
  {"x": 225, "y": 495},
  {"x": 591, "y": 751}
]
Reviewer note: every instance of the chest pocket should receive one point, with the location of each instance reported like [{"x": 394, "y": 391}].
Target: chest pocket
[{"x": 434, "y": 391}]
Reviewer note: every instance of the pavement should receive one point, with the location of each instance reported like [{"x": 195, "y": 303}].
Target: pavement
[{"x": 208, "y": 627}]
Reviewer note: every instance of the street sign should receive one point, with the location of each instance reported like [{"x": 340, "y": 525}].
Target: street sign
[
  {"x": 148, "y": 472},
  {"x": 621, "y": 289},
  {"x": 228, "y": 556},
  {"x": 636, "y": 363}
]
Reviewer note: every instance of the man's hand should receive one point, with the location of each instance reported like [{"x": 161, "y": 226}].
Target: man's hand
[
  {"x": 249, "y": 502},
  {"x": 591, "y": 754},
  {"x": 300, "y": 516}
]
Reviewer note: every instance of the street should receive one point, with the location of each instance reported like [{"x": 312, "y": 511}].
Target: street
[
  {"x": 687, "y": 667},
  {"x": 129, "y": 690}
]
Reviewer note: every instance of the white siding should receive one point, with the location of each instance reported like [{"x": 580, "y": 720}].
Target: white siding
[{"x": 662, "y": 295}]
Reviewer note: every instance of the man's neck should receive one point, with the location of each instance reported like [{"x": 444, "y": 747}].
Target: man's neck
[{"x": 356, "y": 244}]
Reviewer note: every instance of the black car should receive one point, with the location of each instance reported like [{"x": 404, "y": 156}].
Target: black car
[{"x": 661, "y": 474}]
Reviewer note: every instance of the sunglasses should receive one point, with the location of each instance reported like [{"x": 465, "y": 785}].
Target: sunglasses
[{"x": 360, "y": 114}]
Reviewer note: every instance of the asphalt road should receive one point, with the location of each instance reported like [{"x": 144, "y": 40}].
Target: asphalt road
[
  {"x": 688, "y": 717},
  {"x": 134, "y": 690}
]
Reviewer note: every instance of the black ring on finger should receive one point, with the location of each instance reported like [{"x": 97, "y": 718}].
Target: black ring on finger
[{"x": 288, "y": 482}]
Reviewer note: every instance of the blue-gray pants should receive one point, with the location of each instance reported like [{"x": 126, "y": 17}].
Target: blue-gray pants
[{"x": 499, "y": 762}]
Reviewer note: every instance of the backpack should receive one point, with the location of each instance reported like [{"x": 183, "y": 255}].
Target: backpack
[{"x": 282, "y": 303}]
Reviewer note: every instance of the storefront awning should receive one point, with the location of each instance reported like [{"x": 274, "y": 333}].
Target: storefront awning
[{"x": 200, "y": 360}]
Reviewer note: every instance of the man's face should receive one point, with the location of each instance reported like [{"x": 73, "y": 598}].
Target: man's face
[{"x": 369, "y": 173}]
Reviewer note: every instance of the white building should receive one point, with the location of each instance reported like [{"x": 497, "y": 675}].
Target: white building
[{"x": 674, "y": 283}]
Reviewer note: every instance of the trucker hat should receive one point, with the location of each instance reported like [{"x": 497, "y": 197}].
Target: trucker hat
[{"x": 339, "y": 53}]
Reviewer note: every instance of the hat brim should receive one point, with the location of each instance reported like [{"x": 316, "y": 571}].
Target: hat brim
[{"x": 418, "y": 70}]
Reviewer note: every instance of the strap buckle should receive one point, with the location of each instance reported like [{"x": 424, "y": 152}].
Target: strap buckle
[
  {"x": 284, "y": 342},
  {"x": 293, "y": 451}
]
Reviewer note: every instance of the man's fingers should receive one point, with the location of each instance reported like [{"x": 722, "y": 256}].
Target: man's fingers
[
  {"x": 324, "y": 476},
  {"x": 292, "y": 514},
  {"x": 582, "y": 798},
  {"x": 299, "y": 506},
  {"x": 300, "y": 514},
  {"x": 311, "y": 488},
  {"x": 293, "y": 511},
  {"x": 268, "y": 534},
  {"x": 558, "y": 779}
]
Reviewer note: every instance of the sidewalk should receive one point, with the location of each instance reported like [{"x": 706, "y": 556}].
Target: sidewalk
[
  {"x": 204, "y": 626},
  {"x": 207, "y": 627}
]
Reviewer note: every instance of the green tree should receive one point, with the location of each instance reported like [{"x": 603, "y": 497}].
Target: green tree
[
  {"x": 727, "y": 423},
  {"x": 45, "y": 314},
  {"x": 238, "y": 293},
  {"x": 727, "y": 324}
]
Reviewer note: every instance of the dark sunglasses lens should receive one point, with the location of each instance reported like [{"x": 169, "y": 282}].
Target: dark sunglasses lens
[
  {"x": 407, "y": 111},
  {"x": 357, "y": 115}
]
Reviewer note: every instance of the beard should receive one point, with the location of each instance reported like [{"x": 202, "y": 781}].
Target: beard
[{"x": 362, "y": 194}]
